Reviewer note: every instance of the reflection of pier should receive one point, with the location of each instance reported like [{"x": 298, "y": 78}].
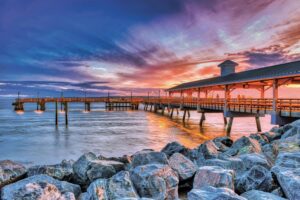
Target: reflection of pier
[{"x": 195, "y": 96}]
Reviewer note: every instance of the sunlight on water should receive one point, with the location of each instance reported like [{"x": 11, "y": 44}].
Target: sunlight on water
[{"x": 31, "y": 137}]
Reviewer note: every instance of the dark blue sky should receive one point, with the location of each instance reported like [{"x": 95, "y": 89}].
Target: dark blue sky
[{"x": 116, "y": 45}]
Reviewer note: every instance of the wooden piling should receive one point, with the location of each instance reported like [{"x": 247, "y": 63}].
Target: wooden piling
[
  {"x": 258, "y": 125},
  {"x": 171, "y": 114},
  {"x": 229, "y": 125},
  {"x": 184, "y": 114},
  {"x": 56, "y": 114},
  {"x": 66, "y": 113},
  {"x": 202, "y": 119}
]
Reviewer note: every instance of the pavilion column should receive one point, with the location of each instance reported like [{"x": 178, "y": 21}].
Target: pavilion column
[{"x": 275, "y": 95}]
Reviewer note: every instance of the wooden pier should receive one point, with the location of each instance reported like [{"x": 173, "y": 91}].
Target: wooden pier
[{"x": 193, "y": 96}]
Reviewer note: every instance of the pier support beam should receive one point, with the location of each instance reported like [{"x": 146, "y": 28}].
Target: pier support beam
[
  {"x": 229, "y": 126},
  {"x": 258, "y": 125},
  {"x": 87, "y": 106},
  {"x": 171, "y": 114},
  {"x": 66, "y": 113},
  {"x": 56, "y": 113},
  {"x": 202, "y": 119},
  {"x": 184, "y": 115}
]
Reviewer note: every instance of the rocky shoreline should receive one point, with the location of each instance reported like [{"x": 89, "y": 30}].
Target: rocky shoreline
[{"x": 262, "y": 166}]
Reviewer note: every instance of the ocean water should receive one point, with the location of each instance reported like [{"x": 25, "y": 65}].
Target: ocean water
[{"x": 32, "y": 137}]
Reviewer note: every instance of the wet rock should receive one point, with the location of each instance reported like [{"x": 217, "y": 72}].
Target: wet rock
[
  {"x": 223, "y": 143},
  {"x": 214, "y": 176},
  {"x": 244, "y": 145},
  {"x": 291, "y": 132},
  {"x": 10, "y": 172},
  {"x": 62, "y": 171},
  {"x": 89, "y": 168},
  {"x": 260, "y": 138},
  {"x": 155, "y": 181},
  {"x": 175, "y": 147},
  {"x": 40, "y": 187},
  {"x": 117, "y": 187},
  {"x": 252, "y": 159},
  {"x": 149, "y": 157},
  {"x": 289, "y": 144},
  {"x": 287, "y": 172},
  {"x": 260, "y": 195},
  {"x": 212, "y": 193},
  {"x": 125, "y": 159},
  {"x": 184, "y": 167},
  {"x": 257, "y": 178}
]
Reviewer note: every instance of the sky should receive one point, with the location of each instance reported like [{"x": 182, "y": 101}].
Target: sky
[{"x": 118, "y": 46}]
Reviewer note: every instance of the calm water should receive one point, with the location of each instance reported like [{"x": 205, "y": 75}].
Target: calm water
[{"x": 32, "y": 138}]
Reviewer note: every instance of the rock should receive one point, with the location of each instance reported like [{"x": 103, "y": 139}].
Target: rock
[
  {"x": 149, "y": 157},
  {"x": 10, "y": 172},
  {"x": 40, "y": 187},
  {"x": 257, "y": 178},
  {"x": 260, "y": 195},
  {"x": 125, "y": 159},
  {"x": 287, "y": 172},
  {"x": 63, "y": 171},
  {"x": 223, "y": 143},
  {"x": 231, "y": 163},
  {"x": 155, "y": 181},
  {"x": 270, "y": 151},
  {"x": 212, "y": 193},
  {"x": 252, "y": 159},
  {"x": 260, "y": 138},
  {"x": 291, "y": 132},
  {"x": 271, "y": 136},
  {"x": 278, "y": 191},
  {"x": 289, "y": 144},
  {"x": 184, "y": 167},
  {"x": 117, "y": 187},
  {"x": 175, "y": 147},
  {"x": 208, "y": 150},
  {"x": 214, "y": 176},
  {"x": 244, "y": 145},
  {"x": 89, "y": 168}
]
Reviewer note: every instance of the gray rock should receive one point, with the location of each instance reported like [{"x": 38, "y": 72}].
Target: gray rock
[
  {"x": 40, "y": 187},
  {"x": 184, "y": 167},
  {"x": 257, "y": 178},
  {"x": 291, "y": 132},
  {"x": 175, "y": 147},
  {"x": 252, "y": 159},
  {"x": 212, "y": 193},
  {"x": 10, "y": 172},
  {"x": 244, "y": 145},
  {"x": 117, "y": 187},
  {"x": 155, "y": 181},
  {"x": 289, "y": 144},
  {"x": 149, "y": 157},
  {"x": 214, "y": 176},
  {"x": 208, "y": 150},
  {"x": 287, "y": 172},
  {"x": 89, "y": 168},
  {"x": 62, "y": 171},
  {"x": 260, "y": 195}
]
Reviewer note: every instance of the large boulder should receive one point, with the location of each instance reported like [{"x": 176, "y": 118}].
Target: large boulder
[
  {"x": 89, "y": 168},
  {"x": 244, "y": 145},
  {"x": 212, "y": 193},
  {"x": 208, "y": 150},
  {"x": 270, "y": 151},
  {"x": 148, "y": 157},
  {"x": 289, "y": 144},
  {"x": 260, "y": 195},
  {"x": 155, "y": 181},
  {"x": 260, "y": 138},
  {"x": 271, "y": 136},
  {"x": 40, "y": 187},
  {"x": 214, "y": 176},
  {"x": 175, "y": 147},
  {"x": 117, "y": 187},
  {"x": 291, "y": 132},
  {"x": 287, "y": 172},
  {"x": 184, "y": 167},
  {"x": 10, "y": 172},
  {"x": 62, "y": 171},
  {"x": 257, "y": 178},
  {"x": 252, "y": 159}
]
